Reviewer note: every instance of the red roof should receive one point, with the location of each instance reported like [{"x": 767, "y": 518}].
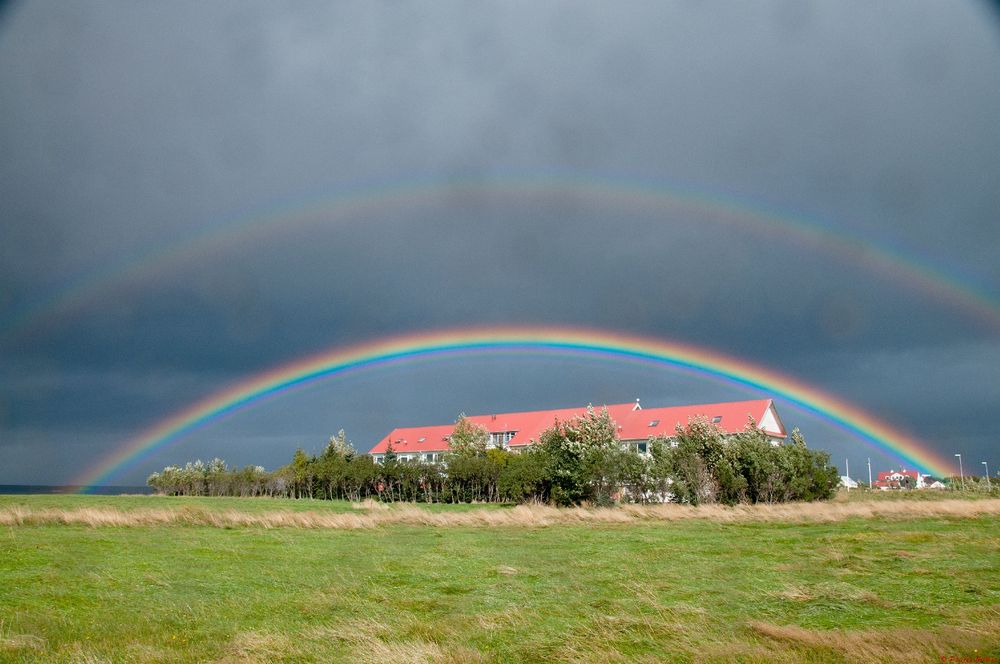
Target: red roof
[
  {"x": 632, "y": 424},
  {"x": 885, "y": 475}
]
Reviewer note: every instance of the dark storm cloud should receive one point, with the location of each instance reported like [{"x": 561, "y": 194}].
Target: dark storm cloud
[{"x": 127, "y": 129}]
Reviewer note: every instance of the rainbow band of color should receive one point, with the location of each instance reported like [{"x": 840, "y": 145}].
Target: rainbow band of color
[
  {"x": 879, "y": 434},
  {"x": 884, "y": 260}
]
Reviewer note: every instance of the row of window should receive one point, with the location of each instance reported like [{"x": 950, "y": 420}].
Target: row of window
[
  {"x": 427, "y": 457},
  {"x": 656, "y": 423},
  {"x": 501, "y": 438},
  {"x": 639, "y": 446}
]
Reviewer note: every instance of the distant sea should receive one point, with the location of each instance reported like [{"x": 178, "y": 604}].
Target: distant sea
[{"x": 98, "y": 490}]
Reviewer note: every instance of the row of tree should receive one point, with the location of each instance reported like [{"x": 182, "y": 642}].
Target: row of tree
[
  {"x": 216, "y": 478},
  {"x": 577, "y": 461}
]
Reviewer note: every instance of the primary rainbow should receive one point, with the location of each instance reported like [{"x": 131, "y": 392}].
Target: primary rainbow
[{"x": 881, "y": 435}]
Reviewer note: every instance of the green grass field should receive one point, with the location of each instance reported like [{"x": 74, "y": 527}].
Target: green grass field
[{"x": 876, "y": 589}]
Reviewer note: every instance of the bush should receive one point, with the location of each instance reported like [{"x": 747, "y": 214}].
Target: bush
[
  {"x": 523, "y": 477},
  {"x": 706, "y": 467}
]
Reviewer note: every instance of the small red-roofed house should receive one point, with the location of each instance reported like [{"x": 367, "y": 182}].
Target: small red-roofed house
[
  {"x": 636, "y": 425},
  {"x": 899, "y": 479}
]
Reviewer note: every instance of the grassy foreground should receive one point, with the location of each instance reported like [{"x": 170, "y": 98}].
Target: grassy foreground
[{"x": 873, "y": 588}]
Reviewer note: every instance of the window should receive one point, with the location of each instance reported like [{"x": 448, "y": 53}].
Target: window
[
  {"x": 429, "y": 457},
  {"x": 716, "y": 419},
  {"x": 641, "y": 447},
  {"x": 654, "y": 423},
  {"x": 501, "y": 438}
]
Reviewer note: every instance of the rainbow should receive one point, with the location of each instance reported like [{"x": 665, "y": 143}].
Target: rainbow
[
  {"x": 303, "y": 215},
  {"x": 280, "y": 380}
]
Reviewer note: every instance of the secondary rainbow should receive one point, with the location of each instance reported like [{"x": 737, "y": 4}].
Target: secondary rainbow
[
  {"x": 877, "y": 433},
  {"x": 304, "y": 214}
]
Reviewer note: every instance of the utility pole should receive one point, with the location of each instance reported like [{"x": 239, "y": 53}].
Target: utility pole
[
  {"x": 869, "y": 473},
  {"x": 960, "y": 471},
  {"x": 847, "y": 463},
  {"x": 988, "y": 486}
]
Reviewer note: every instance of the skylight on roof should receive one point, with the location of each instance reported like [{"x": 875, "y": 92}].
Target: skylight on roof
[
  {"x": 420, "y": 440},
  {"x": 716, "y": 419},
  {"x": 653, "y": 423}
]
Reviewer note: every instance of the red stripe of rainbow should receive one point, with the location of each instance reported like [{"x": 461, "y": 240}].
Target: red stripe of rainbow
[
  {"x": 677, "y": 200},
  {"x": 883, "y": 436}
]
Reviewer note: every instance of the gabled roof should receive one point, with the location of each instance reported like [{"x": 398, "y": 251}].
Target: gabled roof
[
  {"x": 886, "y": 474},
  {"x": 633, "y": 423}
]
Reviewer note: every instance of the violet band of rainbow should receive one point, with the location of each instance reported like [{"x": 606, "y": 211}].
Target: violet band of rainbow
[
  {"x": 881, "y": 435},
  {"x": 674, "y": 200}
]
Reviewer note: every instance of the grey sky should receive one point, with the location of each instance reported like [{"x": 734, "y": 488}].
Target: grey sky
[{"x": 125, "y": 129}]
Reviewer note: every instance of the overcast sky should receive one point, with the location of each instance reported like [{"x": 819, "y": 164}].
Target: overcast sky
[{"x": 130, "y": 130}]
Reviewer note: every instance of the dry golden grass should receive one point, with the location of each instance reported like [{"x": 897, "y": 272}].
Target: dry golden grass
[
  {"x": 520, "y": 516},
  {"x": 373, "y": 642},
  {"x": 77, "y": 653},
  {"x": 830, "y": 591},
  {"x": 885, "y": 645},
  {"x": 678, "y": 630},
  {"x": 21, "y": 643},
  {"x": 11, "y": 643},
  {"x": 257, "y": 647},
  {"x": 369, "y": 504}
]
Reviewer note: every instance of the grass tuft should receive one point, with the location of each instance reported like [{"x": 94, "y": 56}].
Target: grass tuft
[
  {"x": 891, "y": 645},
  {"x": 14, "y": 643}
]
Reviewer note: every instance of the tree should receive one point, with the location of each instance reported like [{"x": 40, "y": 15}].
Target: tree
[
  {"x": 217, "y": 478},
  {"x": 468, "y": 438},
  {"x": 562, "y": 465},
  {"x": 659, "y": 473},
  {"x": 340, "y": 446},
  {"x": 302, "y": 475},
  {"x": 361, "y": 477},
  {"x": 582, "y": 458},
  {"x": 522, "y": 476},
  {"x": 472, "y": 478},
  {"x": 760, "y": 473},
  {"x": 810, "y": 475},
  {"x": 705, "y": 465},
  {"x": 691, "y": 460},
  {"x": 388, "y": 475}
]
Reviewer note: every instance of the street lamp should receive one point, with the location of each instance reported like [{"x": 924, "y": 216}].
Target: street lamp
[
  {"x": 987, "y": 475},
  {"x": 960, "y": 471}
]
